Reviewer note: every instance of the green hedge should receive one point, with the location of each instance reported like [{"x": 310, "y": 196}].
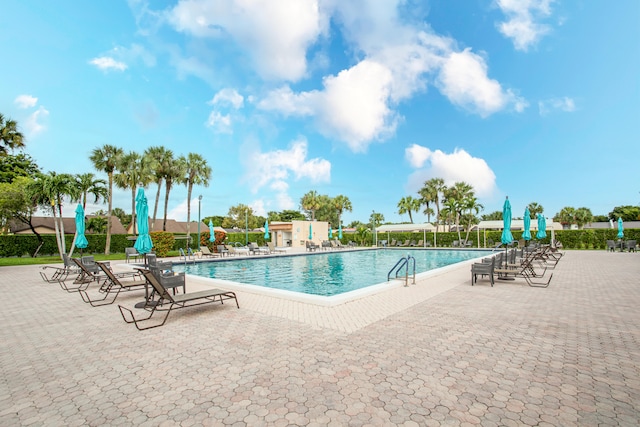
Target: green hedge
[
  {"x": 571, "y": 239},
  {"x": 26, "y": 244}
]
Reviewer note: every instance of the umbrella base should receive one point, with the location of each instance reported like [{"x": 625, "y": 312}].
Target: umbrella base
[
  {"x": 146, "y": 304},
  {"x": 506, "y": 278}
]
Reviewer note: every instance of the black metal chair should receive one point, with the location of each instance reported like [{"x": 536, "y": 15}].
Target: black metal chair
[
  {"x": 166, "y": 302},
  {"x": 483, "y": 269}
]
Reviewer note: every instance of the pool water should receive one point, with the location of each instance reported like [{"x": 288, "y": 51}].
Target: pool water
[{"x": 325, "y": 274}]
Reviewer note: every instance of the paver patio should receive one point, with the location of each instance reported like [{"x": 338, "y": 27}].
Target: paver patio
[{"x": 440, "y": 352}]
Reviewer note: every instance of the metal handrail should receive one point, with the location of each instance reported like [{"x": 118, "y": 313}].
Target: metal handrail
[{"x": 403, "y": 263}]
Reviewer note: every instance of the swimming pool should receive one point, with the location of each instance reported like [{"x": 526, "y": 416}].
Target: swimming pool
[{"x": 325, "y": 274}]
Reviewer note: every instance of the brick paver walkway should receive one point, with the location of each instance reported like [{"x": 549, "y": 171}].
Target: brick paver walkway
[{"x": 437, "y": 353}]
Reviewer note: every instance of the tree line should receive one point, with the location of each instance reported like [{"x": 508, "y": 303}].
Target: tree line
[
  {"x": 457, "y": 204},
  {"x": 24, "y": 188}
]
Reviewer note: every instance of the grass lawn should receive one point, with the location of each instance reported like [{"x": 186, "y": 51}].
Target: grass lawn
[{"x": 4, "y": 262}]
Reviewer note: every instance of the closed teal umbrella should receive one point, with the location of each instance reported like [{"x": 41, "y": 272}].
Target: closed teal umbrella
[
  {"x": 330, "y": 233},
  {"x": 266, "y": 230},
  {"x": 340, "y": 231},
  {"x": 310, "y": 233},
  {"x": 506, "y": 237},
  {"x": 81, "y": 240},
  {"x": 542, "y": 227},
  {"x": 526, "y": 235},
  {"x": 212, "y": 232},
  {"x": 143, "y": 243},
  {"x": 620, "y": 229}
]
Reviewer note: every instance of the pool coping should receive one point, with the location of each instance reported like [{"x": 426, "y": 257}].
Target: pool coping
[{"x": 333, "y": 300}]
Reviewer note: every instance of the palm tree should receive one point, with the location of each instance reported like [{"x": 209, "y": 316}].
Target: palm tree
[
  {"x": 431, "y": 192},
  {"x": 106, "y": 159},
  {"x": 455, "y": 200},
  {"x": 535, "y": 209},
  {"x": 341, "y": 203},
  {"x": 311, "y": 202},
  {"x": 174, "y": 173},
  {"x": 50, "y": 190},
  {"x": 87, "y": 183},
  {"x": 473, "y": 208},
  {"x": 97, "y": 224},
  {"x": 198, "y": 173},
  {"x": 132, "y": 172},
  {"x": 159, "y": 159},
  {"x": 10, "y": 137},
  {"x": 408, "y": 205},
  {"x": 566, "y": 216},
  {"x": 582, "y": 216}
]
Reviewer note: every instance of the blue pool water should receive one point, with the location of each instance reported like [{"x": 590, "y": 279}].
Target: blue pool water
[{"x": 325, "y": 274}]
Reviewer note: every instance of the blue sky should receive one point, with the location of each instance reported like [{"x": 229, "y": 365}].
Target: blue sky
[{"x": 538, "y": 100}]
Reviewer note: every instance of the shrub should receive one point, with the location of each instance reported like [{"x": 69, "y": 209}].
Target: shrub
[
  {"x": 219, "y": 238},
  {"x": 162, "y": 242}
]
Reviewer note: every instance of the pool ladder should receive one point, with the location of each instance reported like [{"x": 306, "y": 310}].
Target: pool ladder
[{"x": 404, "y": 262}]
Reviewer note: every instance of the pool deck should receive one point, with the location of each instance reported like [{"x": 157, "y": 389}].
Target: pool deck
[{"x": 438, "y": 352}]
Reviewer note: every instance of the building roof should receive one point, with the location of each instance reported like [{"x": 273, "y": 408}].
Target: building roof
[
  {"x": 174, "y": 226},
  {"x": 45, "y": 225},
  {"x": 406, "y": 227},
  {"x": 613, "y": 226},
  {"x": 516, "y": 224}
]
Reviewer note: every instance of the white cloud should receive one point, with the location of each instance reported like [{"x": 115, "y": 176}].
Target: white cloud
[
  {"x": 34, "y": 124},
  {"x": 275, "y": 33},
  {"x": 417, "y": 155},
  {"x": 393, "y": 60},
  {"x": 352, "y": 107},
  {"x": 219, "y": 122},
  {"x": 107, "y": 63},
  {"x": 564, "y": 104},
  {"x": 463, "y": 79},
  {"x": 228, "y": 96},
  {"x": 179, "y": 212},
  {"x": 258, "y": 207},
  {"x": 275, "y": 168},
  {"x": 118, "y": 58},
  {"x": 26, "y": 101},
  {"x": 285, "y": 202},
  {"x": 522, "y": 24},
  {"x": 285, "y": 101},
  {"x": 226, "y": 99},
  {"x": 452, "y": 167}
]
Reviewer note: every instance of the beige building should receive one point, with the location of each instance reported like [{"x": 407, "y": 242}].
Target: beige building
[
  {"x": 176, "y": 227},
  {"x": 296, "y": 233}
]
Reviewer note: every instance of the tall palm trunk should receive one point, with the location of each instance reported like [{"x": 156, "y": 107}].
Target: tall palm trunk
[
  {"x": 468, "y": 229},
  {"x": 189, "y": 189},
  {"x": 166, "y": 204},
  {"x": 107, "y": 246},
  {"x": 155, "y": 207},
  {"x": 62, "y": 239},
  {"x": 57, "y": 229},
  {"x": 133, "y": 209}
]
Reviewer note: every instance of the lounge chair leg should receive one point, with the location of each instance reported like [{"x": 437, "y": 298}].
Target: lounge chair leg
[
  {"x": 141, "y": 320},
  {"x": 539, "y": 284},
  {"x": 101, "y": 301}
]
